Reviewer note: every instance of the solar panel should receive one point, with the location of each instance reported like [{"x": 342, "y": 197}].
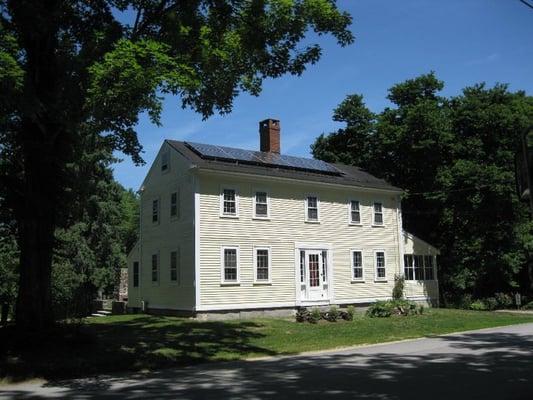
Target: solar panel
[{"x": 261, "y": 158}]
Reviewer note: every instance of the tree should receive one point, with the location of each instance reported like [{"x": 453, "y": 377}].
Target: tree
[
  {"x": 455, "y": 159},
  {"x": 73, "y": 72}
]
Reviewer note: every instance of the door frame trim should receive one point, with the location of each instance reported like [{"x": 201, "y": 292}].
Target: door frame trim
[{"x": 330, "y": 293}]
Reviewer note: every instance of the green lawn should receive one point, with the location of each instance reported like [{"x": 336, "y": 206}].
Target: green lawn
[{"x": 139, "y": 342}]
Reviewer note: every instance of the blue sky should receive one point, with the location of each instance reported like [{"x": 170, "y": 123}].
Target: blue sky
[{"x": 463, "y": 41}]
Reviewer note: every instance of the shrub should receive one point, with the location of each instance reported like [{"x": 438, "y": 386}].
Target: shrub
[
  {"x": 399, "y": 284},
  {"x": 528, "y": 306},
  {"x": 314, "y": 316},
  {"x": 302, "y": 315},
  {"x": 491, "y": 303},
  {"x": 465, "y": 301},
  {"x": 333, "y": 314},
  {"x": 383, "y": 309},
  {"x": 349, "y": 313},
  {"x": 380, "y": 309},
  {"x": 504, "y": 300},
  {"x": 478, "y": 305}
]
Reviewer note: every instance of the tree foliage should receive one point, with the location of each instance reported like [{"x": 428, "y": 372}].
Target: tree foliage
[
  {"x": 78, "y": 73},
  {"x": 455, "y": 158}
]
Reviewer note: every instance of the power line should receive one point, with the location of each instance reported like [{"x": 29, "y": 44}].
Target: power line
[{"x": 526, "y": 3}]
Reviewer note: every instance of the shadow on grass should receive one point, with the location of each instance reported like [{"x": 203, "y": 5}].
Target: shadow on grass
[
  {"x": 485, "y": 365},
  {"x": 144, "y": 342}
]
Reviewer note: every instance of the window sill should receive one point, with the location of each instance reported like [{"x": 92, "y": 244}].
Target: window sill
[
  {"x": 229, "y": 216},
  {"x": 380, "y": 280},
  {"x": 312, "y": 222},
  {"x": 378, "y": 226},
  {"x": 358, "y": 281},
  {"x": 230, "y": 284},
  {"x": 261, "y": 218},
  {"x": 355, "y": 224},
  {"x": 259, "y": 283}
]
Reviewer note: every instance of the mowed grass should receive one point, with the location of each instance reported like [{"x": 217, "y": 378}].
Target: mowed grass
[{"x": 142, "y": 342}]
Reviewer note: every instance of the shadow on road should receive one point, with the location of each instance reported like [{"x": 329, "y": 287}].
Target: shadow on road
[{"x": 470, "y": 366}]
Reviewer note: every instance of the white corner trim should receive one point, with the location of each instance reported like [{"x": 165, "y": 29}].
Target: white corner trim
[{"x": 197, "y": 242}]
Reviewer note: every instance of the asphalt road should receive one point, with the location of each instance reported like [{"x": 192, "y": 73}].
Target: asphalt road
[{"x": 486, "y": 364}]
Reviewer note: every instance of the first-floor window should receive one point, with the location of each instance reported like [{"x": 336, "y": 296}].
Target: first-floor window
[
  {"x": 429, "y": 273},
  {"x": 357, "y": 265},
  {"x": 155, "y": 268},
  {"x": 230, "y": 264},
  {"x": 380, "y": 265},
  {"x": 419, "y": 267},
  {"x": 174, "y": 267},
  {"x": 136, "y": 274},
  {"x": 262, "y": 264},
  {"x": 409, "y": 271}
]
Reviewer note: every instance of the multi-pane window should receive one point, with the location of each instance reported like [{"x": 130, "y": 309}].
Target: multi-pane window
[
  {"x": 174, "y": 266},
  {"x": 419, "y": 267},
  {"x": 262, "y": 265},
  {"x": 155, "y": 268},
  {"x": 378, "y": 214},
  {"x": 165, "y": 161},
  {"x": 229, "y": 258},
  {"x": 174, "y": 205},
  {"x": 302, "y": 266},
  {"x": 155, "y": 210},
  {"x": 357, "y": 265},
  {"x": 229, "y": 202},
  {"x": 429, "y": 273},
  {"x": 261, "y": 204},
  {"x": 380, "y": 265},
  {"x": 409, "y": 271},
  {"x": 136, "y": 274},
  {"x": 324, "y": 266},
  {"x": 312, "y": 208},
  {"x": 355, "y": 212}
]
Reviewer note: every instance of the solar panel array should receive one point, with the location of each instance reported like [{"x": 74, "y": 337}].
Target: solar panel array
[{"x": 223, "y": 153}]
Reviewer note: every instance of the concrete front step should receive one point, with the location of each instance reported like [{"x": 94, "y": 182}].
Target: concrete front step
[{"x": 98, "y": 315}]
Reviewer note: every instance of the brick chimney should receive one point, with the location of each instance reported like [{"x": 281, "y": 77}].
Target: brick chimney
[{"x": 269, "y": 134}]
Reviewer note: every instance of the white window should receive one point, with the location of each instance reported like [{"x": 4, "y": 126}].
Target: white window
[
  {"x": 261, "y": 202},
  {"x": 381, "y": 273},
  {"x": 311, "y": 209},
  {"x": 136, "y": 274},
  {"x": 262, "y": 264},
  {"x": 155, "y": 211},
  {"x": 174, "y": 205},
  {"x": 419, "y": 267},
  {"x": 355, "y": 212},
  {"x": 155, "y": 268},
  {"x": 165, "y": 161},
  {"x": 175, "y": 266},
  {"x": 357, "y": 265},
  {"x": 229, "y": 202},
  {"x": 409, "y": 269},
  {"x": 378, "y": 214},
  {"x": 230, "y": 264}
]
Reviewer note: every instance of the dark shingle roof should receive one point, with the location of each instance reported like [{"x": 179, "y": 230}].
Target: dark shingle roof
[{"x": 347, "y": 175}]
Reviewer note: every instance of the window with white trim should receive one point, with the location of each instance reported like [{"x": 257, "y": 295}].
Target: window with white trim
[
  {"x": 230, "y": 265},
  {"x": 155, "y": 211},
  {"x": 155, "y": 268},
  {"x": 261, "y": 204},
  {"x": 165, "y": 161},
  {"x": 355, "y": 212},
  {"x": 378, "y": 214},
  {"x": 262, "y": 264},
  {"x": 174, "y": 205},
  {"x": 311, "y": 203},
  {"x": 381, "y": 273},
  {"x": 229, "y": 202},
  {"x": 419, "y": 267},
  {"x": 409, "y": 269},
  {"x": 429, "y": 268},
  {"x": 357, "y": 265},
  {"x": 175, "y": 266},
  {"x": 136, "y": 274}
]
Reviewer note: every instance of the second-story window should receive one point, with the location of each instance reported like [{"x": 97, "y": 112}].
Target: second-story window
[
  {"x": 261, "y": 204},
  {"x": 229, "y": 202},
  {"x": 174, "y": 207},
  {"x": 355, "y": 212},
  {"x": 378, "y": 214},
  {"x": 155, "y": 211},
  {"x": 312, "y": 208}
]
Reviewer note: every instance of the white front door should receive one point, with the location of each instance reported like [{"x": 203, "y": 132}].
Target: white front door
[{"x": 315, "y": 275}]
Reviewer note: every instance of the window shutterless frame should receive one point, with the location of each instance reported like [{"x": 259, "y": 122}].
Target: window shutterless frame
[
  {"x": 229, "y": 265},
  {"x": 378, "y": 214},
  {"x": 165, "y": 161},
  {"x": 357, "y": 265},
  {"x": 229, "y": 202},
  {"x": 380, "y": 266},
  {"x": 136, "y": 274},
  {"x": 155, "y": 263},
  {"x": 175, "y": 204},
  {"x": 262, "y": 265},
  {"x": 261, "y": 204},
  {"x": 156, "y": 211},
  {"x": 175, "y": 267},
  {"x": 354, "y": 212},
  {"x": 312, "y": 208}
]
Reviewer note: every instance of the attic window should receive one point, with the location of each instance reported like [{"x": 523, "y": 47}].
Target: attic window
[{"x": 165, "y": 162}]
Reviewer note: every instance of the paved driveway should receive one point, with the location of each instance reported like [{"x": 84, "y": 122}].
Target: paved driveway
[{"x": 486, "y": 364}]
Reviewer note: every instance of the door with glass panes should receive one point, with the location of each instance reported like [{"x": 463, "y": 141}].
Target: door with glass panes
[{"x": 315, "y": 274}]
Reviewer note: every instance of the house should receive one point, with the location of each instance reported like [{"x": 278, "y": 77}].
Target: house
[{"x": 232, "y": 231}]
